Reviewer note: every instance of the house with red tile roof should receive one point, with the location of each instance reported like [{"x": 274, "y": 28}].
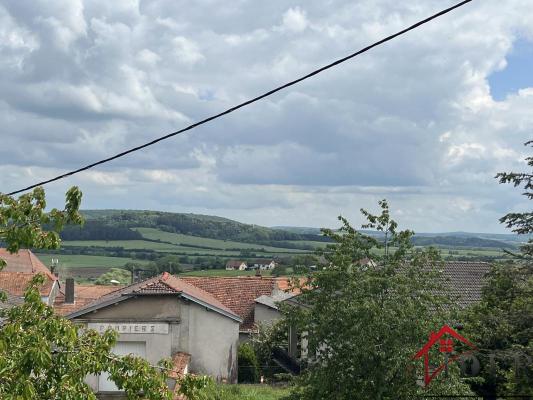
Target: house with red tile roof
[
  {"x": 239, "y": 294},
  {"x": 161, "y": 317},
  {"x": 19, "y": 270}
]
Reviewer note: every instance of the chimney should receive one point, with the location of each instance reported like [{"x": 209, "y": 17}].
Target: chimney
[
  {"x": 69, "y": 291},
  {"x": 257, "y": 272}
]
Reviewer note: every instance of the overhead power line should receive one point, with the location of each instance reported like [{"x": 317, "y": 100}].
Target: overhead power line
[{"x": 246, "y": 103}]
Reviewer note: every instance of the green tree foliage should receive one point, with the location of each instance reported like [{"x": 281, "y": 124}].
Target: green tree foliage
[
  {"x": 22, "y": 219},
  {"x": 521, "y": 223},
  {"x": 364, "y": 321},
  {"x": 269, "y": 336},
  {"x": 502, "y": 323},
  {"x": 120, "y": 275},
  {"x": 248, "y": 365},
  {"x": 42, "y": 355}
]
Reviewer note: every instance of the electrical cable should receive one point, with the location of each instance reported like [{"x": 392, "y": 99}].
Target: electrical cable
[{"x": 245, "y": 103}]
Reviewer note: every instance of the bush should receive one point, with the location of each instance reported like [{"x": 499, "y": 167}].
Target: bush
[
  {"x": 248, "y": 365},
  {"x": 196, "y": 387}
]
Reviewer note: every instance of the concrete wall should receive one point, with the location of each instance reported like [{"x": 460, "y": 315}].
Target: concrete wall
[
  {"x": 265, "y": 315},
  {"x": 208, "y": 336},
  {"x": 141, "y": 308},
  {"x": 211, "y": 339}
]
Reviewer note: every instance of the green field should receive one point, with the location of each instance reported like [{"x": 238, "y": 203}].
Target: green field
[
  {"x": 83, "y": 261},
  {"x": 188, "y": 240},
  {"x": 223, "y": 272}
]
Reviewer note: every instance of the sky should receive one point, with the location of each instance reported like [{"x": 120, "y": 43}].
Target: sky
[{"x": 425, "y": 121}]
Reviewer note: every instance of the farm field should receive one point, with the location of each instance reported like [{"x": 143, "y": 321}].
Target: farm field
[
  {"x": 223, "y": 272},
  {"x": 84, "y": 261},
  {"x": 189, "y": 240}
]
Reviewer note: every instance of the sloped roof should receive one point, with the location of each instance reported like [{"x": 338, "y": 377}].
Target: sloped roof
[
  {"x": 272, "y": 301},
  {"x": 236, "y": 293},
  {"x": 462, "y": 279},
  {"x": 24, "y": 261},
  {"x": 83, "y": 295},
  {"x": 163, "y": 284},
  {"x": 15, "y": 283},
  {"x": 465, "y": 279},
  {"x": 234, "y": 263}
]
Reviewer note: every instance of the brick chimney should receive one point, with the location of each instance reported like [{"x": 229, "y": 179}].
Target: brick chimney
[{"x": 69, "y": 291}]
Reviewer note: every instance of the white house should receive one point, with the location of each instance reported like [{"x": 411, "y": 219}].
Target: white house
[
  {"x": 233, "y": 265},
  {"x": 264, "y": 264}
]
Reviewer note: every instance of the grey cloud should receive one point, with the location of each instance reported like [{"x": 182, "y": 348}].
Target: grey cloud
[{"x": 80, "y": 81}]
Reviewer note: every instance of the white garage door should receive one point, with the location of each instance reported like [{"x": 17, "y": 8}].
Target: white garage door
[{"x": 121, "y": 349}]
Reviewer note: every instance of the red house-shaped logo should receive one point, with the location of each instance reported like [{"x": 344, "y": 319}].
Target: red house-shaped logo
[{"x": 445, "y": 340}]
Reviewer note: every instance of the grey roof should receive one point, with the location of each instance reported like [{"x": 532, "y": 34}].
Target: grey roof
[
  {"x": 271, "y": 301},
  {"x": 465, "y": 279}
]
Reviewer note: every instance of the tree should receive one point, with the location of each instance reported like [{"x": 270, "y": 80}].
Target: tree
[
  {"x": 521, "y": 223},
  {"x": 42, "y": 355},
  {"x": 120, "y": 275},
  {"x": 248, "y": 365},
  {"x": 502, "y": 322},
  {"x": 364, "y": 320}
]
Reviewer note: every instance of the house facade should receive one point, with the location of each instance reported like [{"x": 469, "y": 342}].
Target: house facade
[
  {"x": 165, "y": 317},
  {"x": 235, "y": 265},
  {"x": 264, "y": 264}
]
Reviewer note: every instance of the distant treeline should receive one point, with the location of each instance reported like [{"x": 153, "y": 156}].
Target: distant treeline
[
  {"x": 99, "y": 230},
  {"x": 460, "y": 241},
  {"x": 116, "y": 226}
]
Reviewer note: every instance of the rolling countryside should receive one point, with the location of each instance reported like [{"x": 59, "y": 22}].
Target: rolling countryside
[{"x": 203, "y": 244}]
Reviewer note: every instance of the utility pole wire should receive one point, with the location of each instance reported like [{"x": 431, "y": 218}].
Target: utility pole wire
[{"x": 248, "y": 102}]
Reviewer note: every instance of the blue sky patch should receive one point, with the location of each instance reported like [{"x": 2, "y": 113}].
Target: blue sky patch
[{"x": 518, "y": 73}]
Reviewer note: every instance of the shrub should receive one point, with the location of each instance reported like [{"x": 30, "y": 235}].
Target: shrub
[{"x": 248, "y": 365}]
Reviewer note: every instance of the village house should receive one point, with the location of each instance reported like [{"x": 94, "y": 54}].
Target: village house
[
  {"x": 234, "y": 265},
  {"x": 264, "y": 264},
  {"x": 161, "y": 317},
  {"x": 239, "y": 294},
  {"x": 16, "y": 275}
]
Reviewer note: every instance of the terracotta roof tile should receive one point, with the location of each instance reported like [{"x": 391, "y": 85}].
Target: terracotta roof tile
[
  {"x": 83, "y": 295},
  {"x": 15, "y": 283},
  {"x": 24, "y": 261},
  {"x": 163, "y": 284},
  {"x": 236, "y": 293}
]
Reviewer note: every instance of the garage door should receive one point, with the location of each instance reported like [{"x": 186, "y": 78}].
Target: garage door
[{"x": 121, "y": 349}]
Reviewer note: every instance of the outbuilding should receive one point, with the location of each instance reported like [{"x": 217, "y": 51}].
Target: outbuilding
[{"x": 166, "y": 317}]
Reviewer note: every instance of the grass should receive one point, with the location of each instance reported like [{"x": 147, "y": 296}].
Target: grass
[
  {"x": 83, "y": 261},
  {"x": 188, "y": 240},
  {"x": 249, "y": 392},
  {"x": 223, "y": 272}
]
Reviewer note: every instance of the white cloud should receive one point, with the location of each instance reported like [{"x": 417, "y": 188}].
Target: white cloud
[
  {"x": 295, "y": 20},
  {"x": 413, "y": 121}
]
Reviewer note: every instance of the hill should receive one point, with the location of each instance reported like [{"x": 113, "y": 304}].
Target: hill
[{"x": 112, "y": 238}]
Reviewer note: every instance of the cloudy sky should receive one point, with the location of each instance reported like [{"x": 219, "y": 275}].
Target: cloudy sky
[{"x": 425, "y": 121}]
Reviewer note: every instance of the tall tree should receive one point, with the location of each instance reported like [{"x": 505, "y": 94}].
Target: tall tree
[
  {"x": 367, "y": 313},
  {"x": 42, "y": 355},
  {"x": 502, "y": 322},
  {"x": 521, "y": 222}
]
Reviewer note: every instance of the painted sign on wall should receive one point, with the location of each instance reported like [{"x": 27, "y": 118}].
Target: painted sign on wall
[{"x": 129, "y": 327}]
